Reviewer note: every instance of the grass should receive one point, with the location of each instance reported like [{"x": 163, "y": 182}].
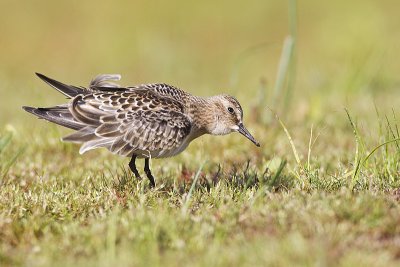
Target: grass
[
  {"x": 323, "y": 189},
  {"x": 264, "y": 210}
]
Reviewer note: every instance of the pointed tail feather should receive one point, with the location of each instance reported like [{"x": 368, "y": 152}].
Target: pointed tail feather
[
  {"x": 58, "y": 114},
  {"x": 83, "y": 135},
  {"x": 96, "y": 143},
  {"x": 67, "y": 90}
]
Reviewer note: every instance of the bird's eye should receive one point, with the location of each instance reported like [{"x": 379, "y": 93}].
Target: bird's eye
[{"x": 230, "y": 109}]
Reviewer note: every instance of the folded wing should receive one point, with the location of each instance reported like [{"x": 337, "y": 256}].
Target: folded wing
[{"x": 139, "y": 122}]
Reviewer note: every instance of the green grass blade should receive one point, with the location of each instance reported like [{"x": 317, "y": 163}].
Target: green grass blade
[
  {"x": 4, "y": 141},
  {"x": 377, "y": 147},
  {"x": 357, "y": 153},
  {"x": 284, "y": 62},
  {"x": 192, "y": 187},
  {"x": 289, "y": 137}
]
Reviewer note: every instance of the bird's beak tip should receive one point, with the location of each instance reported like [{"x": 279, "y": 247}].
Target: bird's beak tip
[{"x": 247, "y": 134}]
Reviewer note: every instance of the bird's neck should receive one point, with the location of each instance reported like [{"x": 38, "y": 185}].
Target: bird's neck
[{"x": 204, "y": 113}]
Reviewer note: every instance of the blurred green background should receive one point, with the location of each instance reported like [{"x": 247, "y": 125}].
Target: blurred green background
[{"x": 345, "y": 49}]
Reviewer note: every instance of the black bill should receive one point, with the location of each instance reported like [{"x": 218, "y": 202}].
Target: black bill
[{"x": 246, "y": 133}]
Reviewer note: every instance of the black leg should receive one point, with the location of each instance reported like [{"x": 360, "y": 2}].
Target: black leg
[
  {"x": 148, "y": 172},
  {"x": 132, "y": 166}
]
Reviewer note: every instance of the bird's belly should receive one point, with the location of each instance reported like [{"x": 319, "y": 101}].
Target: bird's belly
[{"x": 163, "y": 153}]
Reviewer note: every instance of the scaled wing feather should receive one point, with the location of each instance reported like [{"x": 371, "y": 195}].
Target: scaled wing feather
[{"x": 138, "y": 121}]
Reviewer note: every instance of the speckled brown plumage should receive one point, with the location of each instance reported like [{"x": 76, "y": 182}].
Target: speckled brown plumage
[{"x": 143, "y": 121}]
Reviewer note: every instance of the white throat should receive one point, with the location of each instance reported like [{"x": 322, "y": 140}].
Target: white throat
[{"x": 221, "y": 129}]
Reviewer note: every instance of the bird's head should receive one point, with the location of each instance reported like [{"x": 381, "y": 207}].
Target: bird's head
[{"x": 229, "y": 117}]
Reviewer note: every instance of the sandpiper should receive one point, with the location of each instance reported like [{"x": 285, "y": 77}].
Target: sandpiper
[{"x": 143, "y": 121}]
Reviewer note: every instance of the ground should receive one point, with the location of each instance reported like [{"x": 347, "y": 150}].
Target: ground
[{"x": 322, "y": 190}]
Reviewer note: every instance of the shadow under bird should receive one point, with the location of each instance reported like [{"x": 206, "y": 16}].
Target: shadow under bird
[{"x": 143, "y": 121}]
